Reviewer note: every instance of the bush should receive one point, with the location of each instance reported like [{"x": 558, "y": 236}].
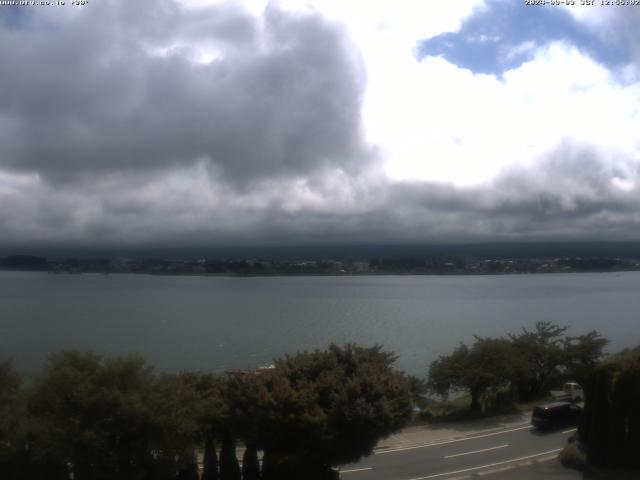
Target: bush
[{"x": 572, "y": 457}]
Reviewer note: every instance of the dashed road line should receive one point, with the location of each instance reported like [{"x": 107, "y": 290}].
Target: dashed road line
[
  {"x": 446, "y": 442},
  {"x": 546, "y": 459},
  {"x": 504, "y": 462},
  {"x": 496, "y": 470},
  {"x": 354, "y": 470},
  {"x": 477, "y": 451}
]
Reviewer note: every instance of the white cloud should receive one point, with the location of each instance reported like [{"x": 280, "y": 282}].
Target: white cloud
[{"x": 444, "y": 123}]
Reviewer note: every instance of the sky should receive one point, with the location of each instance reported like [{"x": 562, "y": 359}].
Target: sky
[{"x": 257, "y": 122}]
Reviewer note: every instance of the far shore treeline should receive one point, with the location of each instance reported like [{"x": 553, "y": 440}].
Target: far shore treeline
[
  {"x": 89, "y": 417},
  {"x": 441, "y": 264}
]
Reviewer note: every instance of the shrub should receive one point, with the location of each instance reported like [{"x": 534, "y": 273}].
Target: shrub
[{"x": 572, "y": 457}]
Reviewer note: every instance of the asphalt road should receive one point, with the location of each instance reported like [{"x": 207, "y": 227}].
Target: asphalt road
[{"x": 483, "y": 453}]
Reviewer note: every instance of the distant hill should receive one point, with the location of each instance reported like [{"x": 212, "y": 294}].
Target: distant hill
[{"x": 346, "y": 251}]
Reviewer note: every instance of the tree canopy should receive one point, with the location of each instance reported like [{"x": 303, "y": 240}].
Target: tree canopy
[
  {"x": 526, "y": 363},
  {"x": 487, "y": 365},
  {"x": 610, "y": 424},
  {"x": 115, "y": 418}
]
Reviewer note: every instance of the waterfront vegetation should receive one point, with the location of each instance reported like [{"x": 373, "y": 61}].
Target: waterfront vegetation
[
  {"x": 116, "y": 418},
  {"x": 522, "y": 367}
]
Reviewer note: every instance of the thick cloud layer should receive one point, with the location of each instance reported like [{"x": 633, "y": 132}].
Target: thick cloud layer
[
  {"x": 129, "y": 124},
  {"x": 122, "y": 86}
]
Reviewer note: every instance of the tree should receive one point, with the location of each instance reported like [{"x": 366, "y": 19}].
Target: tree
[
  {"x": 13, "y": 429},
  {"x": 210, "y": 461},
  {"x": 541, "y": 352},
  {"x": 328, "y": 407},
  {"x": 418, "y": 388},
  {"x": 229, "y": 467},
  {"x": 582, "y": 355},
  {"x": 250, "y": 464},
  {"x": 449, "y": 371},
  {"x": 188, "y": 466},
  {"x": 610, "y": 423},
  {"x": 487, "y": 365},
  {"x": 111, "y": 418}
]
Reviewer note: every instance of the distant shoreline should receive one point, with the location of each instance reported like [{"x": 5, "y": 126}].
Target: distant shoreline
[
  {"x": 294, "y": 266},
  {"x": 285, "y": 275}
]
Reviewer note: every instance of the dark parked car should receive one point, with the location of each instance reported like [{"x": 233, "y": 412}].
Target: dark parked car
[{"x": 555, "y": 415}]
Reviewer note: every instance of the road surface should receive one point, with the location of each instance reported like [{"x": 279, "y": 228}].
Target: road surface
[{"x": 478, "y": 454}]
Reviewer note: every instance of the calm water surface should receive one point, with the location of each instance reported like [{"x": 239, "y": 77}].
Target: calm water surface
[{"x": 217, "y": 323}]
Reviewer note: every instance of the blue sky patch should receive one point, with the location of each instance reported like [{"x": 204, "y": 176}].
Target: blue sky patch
[
  {"x": 13, "y": 17},
  {"x": 505, "y": 34}
]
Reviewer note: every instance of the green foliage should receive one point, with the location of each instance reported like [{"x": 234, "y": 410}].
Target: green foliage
[
  {"x": 547, "y": 356},
  {"x": 610, "y": 424},
  {"x": 210, "y": 460},
  {"x": 572, "y": 457},
  {"x": 487, "y": 365},
  {"x": 175, "y": 407},
  {"x": 111, "y": 418},
  {"x": 92, "y": 413},
  {"x": 243, "y": 394},
  {"x": 449, "y": 371},
  {"x": 582, "y": 354},
  {"x": 542, "y": 352},
  {"x": 13, "y": 426},
  {"x": 250, "y": 464},
  {"x": 10, "y": 383},
  {"x": 527, "y": 363},
  {"x": 331, "y": 407},
  {"x": 188, "y": 466},
  {"x": 114, "y": 418},
  {"x": 418, "y": 389},
  {"x": 229, "y": 467}
]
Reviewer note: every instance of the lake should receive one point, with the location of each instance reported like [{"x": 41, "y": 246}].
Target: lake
[{"x": 219, "y": 323}]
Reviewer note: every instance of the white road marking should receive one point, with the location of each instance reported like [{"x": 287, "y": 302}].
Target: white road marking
[
  {"x": 527, "y": 427},
  {"x": 546, "y": 459},
  {"x": 496, "y": 470},
  {"x": 477, "y": 451},
  {"x": 571, "y": 430},
  {"x": 487, "y": 466},
  {"x": 356, "y": 470}
]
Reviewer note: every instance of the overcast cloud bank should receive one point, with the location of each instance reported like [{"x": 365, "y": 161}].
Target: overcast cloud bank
[{"x": 177, "y": 123}]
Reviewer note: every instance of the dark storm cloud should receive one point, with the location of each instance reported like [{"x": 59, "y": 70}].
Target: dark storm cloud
[
  {"x": 115, "y": 88},
  {"x": 575, "y": 193}
]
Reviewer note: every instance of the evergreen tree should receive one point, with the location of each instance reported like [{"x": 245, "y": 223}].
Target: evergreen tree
[
  {"x": 188, "y": 466},
  {"x": 13, "y": 442},
  {"x": 610, "y": 423},
  {"x": 250, "y": 464},
  {"x": 210, "y": 461},
  {"x": 164, "y": 467},
  {"x": 229, "y": 467}
]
